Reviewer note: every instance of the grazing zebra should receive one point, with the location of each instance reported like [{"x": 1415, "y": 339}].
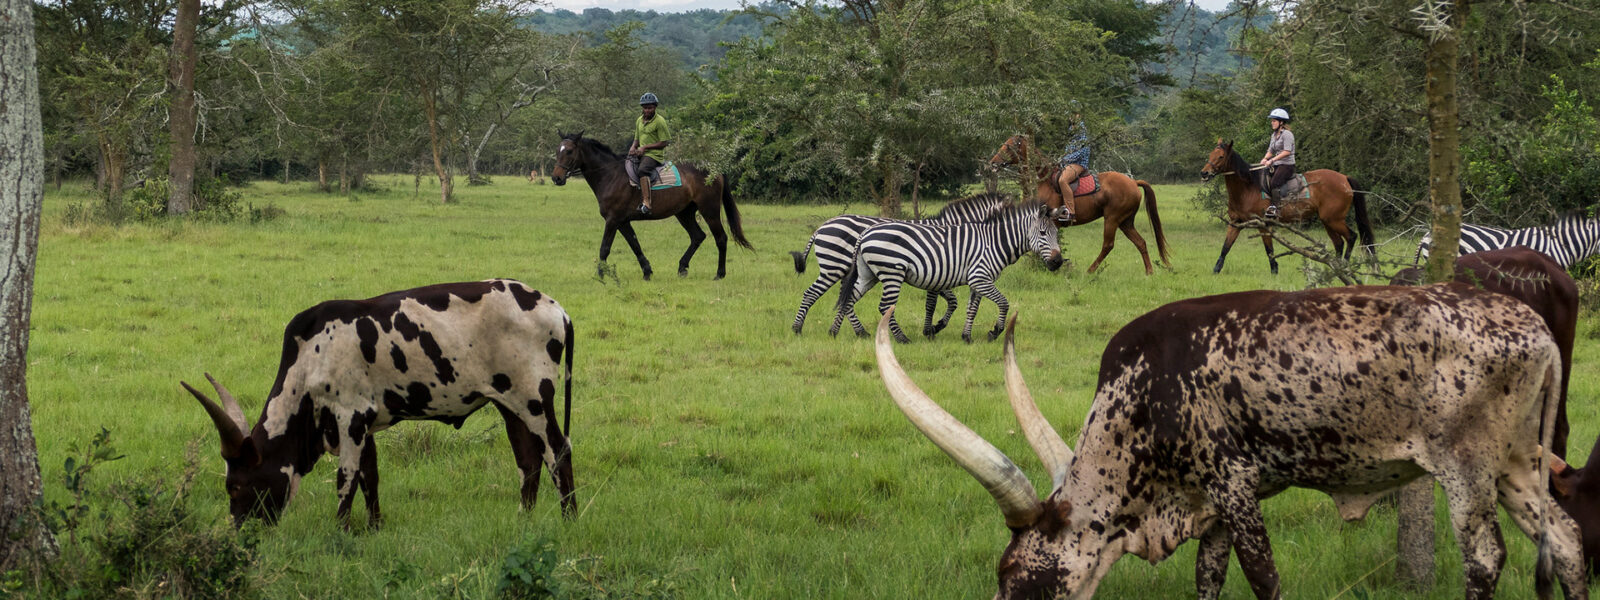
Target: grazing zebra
[
  {"x": 1570, "y": 240},
  {"x": 943, "y": 257},
  {"x": 835, "y": 242}
]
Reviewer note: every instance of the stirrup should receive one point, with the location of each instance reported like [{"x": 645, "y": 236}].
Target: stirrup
[
  {"x": 1271, "y": 212},
  {"x": 644, "y": 209}
]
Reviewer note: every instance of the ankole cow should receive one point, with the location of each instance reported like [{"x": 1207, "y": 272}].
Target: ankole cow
[
  {"x": 1205, "y": 406},
  {"x": 354, "y": 367}
]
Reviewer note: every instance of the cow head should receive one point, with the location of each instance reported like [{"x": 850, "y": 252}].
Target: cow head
[
  {"x": 256, "y": 487},
  {"x": 1046, "y": 237},
  {"x": 1052, "y": 553}
]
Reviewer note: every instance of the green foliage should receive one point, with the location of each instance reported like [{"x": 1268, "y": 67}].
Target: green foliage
[
  {"x": 526, "y": 572},
  {"x": 1555, "y": 160},
  {"x": 696, "y": 37}
]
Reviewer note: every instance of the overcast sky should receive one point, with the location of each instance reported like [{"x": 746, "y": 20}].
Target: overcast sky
[{"x": 683, "y": 5}]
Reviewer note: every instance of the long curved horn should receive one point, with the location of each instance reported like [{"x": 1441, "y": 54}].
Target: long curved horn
[
  {"x": 230, "y": 404},
  {"x": 1009, "y": 486},
  {"x": 1047, "y": 443},
  {"x": 232, "y": 435}
]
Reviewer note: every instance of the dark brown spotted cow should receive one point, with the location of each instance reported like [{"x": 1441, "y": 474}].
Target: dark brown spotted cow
[
  {"x": 354, "y": 367},
  {"x": 1539, "y": 282},
  {"x": 1577, "y": 490},
  {"x": 1205, "y": 406}
]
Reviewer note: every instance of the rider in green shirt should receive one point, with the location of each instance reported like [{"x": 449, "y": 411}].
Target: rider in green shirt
[{"x": 650, "y": 137}]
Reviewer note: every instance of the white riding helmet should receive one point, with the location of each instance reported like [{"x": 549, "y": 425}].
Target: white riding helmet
[{"x": 1279, "y": 114}]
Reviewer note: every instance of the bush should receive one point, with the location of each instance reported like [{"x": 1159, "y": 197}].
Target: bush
[{"x": 215, "y": 200}]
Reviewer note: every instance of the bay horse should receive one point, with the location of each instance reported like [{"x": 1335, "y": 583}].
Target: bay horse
[
  {"x": 1332, "y": 195},
  {"x": 619, "y": 202},
  {"x": 1117, "y": 199}
]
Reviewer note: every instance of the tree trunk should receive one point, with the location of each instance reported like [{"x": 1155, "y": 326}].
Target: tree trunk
[
  {"x": 286, "y": 170},
  {"x": 180, "y": 170},
  {"x": 889, "y": 196},
  {"x": 115, "y": 160},
  {"x": 21, "y": 192},
  {"x": 344, "y": 176},
  {"x": 322, "y": 174},
  {"x": 445, "y": 183},
  {"x": 1414, "y": 566}
]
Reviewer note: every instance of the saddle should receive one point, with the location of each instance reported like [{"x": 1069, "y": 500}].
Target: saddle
[
  {"x": 1088, "y": 184},
  {"x": 666, "y": 177},
  {"x": 1295, "y": 189}
]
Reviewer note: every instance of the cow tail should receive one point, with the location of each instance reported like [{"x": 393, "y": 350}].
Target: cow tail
[
  {"x": 1369, "y": 241},
  {"x": 733, "y": 214},
  {"x": 566, "y": 424},
  {"x": 800, "y": 255},
  {"x": 1544, "y": 569},
  {"x": 1155, "y": 220}
]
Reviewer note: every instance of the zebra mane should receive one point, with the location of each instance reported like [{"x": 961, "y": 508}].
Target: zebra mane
[
  {"x": 1007, "y": 212},
  {"x": 984, "y": 199}
]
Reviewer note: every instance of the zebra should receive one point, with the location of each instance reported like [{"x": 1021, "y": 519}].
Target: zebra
[
  {"x": 1570, "y": 240},
  {"x": 943, "y": 257},
  {"x": 835, "y": 243}
]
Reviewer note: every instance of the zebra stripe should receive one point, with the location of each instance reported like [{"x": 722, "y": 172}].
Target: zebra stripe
[
  {"x": 1568, "y": 241},
  {"x": 939, "y": 258},
  {"x": 835, "y": 246}
]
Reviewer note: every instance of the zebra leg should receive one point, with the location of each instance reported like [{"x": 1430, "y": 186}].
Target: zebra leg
[
  {"x": 987, "y": 289},
  {"x": 825, "y": 280},
  {"x": 931, "y": 304},
  {"x": 972, "y": 313},
  {"x": 949, "y": 310},
  {"x": 891, "y": 293},
  {"x": 865, "y": 279}
]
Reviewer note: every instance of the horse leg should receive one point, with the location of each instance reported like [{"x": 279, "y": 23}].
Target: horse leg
[
  {"x": 1337, "y": 234},
  {"x": 605, "y": 248},
  {"x": 1266, "y": 242},
  {"x": 708, "y": 211},
  {"x": 633, "y": 242},
  {"x": 1108, "y": 240},
  {"x": 1138, "y": 242},
  {"x": 696, "y": 235},
  {"x": 1227, "y": 244}
]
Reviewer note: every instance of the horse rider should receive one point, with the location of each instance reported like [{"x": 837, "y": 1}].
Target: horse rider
[
  {"x": 1074, "y": 159},
  {"x": 646, "y": 154},
  {"x": 1279, "y": 160}
]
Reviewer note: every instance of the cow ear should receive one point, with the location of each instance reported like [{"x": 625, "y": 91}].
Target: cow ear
[
  {"x": 1055, "y": 517},
  {"x": 249, "y": 455}
]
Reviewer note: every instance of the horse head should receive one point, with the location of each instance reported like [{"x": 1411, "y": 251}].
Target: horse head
[
  {"x": 1217, "y": 163},
  {"x": 1013, "y": 151},
  {"x": 569, "y": 157}
]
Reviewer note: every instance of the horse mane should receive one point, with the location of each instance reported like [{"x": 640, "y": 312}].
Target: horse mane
[
  {"x": 1237, "y": 164},
  {"x": 983, "y": 198},
  {"x": 596, "y": 144}
]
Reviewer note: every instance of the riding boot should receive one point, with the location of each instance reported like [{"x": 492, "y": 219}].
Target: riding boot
[{"x": 644, "y": 194}]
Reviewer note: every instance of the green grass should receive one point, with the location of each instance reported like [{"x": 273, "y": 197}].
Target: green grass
[{"x": 715, "y": 451}]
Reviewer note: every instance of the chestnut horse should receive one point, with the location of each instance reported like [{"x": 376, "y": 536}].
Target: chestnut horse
[
  {"x": 1332, "y": 194},
  {"x": 619, "y": 202},
  {"x": 1117, "y": 199}
]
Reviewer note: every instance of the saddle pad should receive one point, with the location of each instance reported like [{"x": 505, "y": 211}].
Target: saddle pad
[
  {"x": 667, "y": 177},
  {"x": 1295, "y": 189},
  {"x": 1088, "y": 184}
]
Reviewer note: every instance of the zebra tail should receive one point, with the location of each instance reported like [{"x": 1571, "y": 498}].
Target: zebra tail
[
  {"x": 733, "y": 214},
  {"x": 800, "y": 255},
  {"x": 1363, "y": 223},
  {"x": 847, "y": 288},
  {"x": 1155, "y": 220}
]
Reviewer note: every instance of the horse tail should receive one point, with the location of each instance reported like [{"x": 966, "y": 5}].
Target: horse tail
[
  {"x": 800, "y": 255},
  {"x": 733, "y": 215},
  {"x": 1155, "y": 220},
  {"x": 1363, "y": 223}
]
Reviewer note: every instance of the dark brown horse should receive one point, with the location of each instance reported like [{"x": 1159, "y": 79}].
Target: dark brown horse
[
  {"x": 619, "y": 202},
  {"x": 1332, "y": 195},
  {"x": 1117, "y": 199}
]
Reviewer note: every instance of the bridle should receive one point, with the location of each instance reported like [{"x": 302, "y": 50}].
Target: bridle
[
  {"x": 571, "y": 171},
  {"x": 1208, "y": 173}
]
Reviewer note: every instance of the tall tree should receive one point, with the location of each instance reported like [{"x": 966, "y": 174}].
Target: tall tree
[
  {"x": 21, "y": 191},
  {"x": 181, "y": 114}
]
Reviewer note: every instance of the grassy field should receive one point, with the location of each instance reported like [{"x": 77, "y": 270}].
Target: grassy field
[{"x": 717, "y": 455}]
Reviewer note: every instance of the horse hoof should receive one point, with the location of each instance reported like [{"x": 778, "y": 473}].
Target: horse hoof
[{"x": 647, "y": 276}]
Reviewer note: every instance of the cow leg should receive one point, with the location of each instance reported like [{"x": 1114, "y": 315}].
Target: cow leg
[
  {"x": 1529, "y": 507},
  {"x": 891, "y": 293},
  {"x": 1240, "y": 513},
  {"x": 696, "y": 235},
  {"x": 633, "y": 242},
  {"x": 949, "y": 310},
  {"x": 351, "y": 449},
  {"x": 1211, "y": 564},
  {"x": 986, "y": 287},
  {"x": 369, "y": 482},
  {"x": 533, "y": 451},
  {"x": 1227, "y": 244},
  {"x": 1470, "y": 492},
  {"x": 1266, "y": 242},
  {"x": 1107, "y": 241},
  {"x": 1138, "y": 242}
]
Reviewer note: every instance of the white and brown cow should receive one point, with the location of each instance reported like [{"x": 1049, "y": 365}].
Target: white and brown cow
[
  {"x": 1205, "y": 406},
  {"x": 354, "y": 367}
]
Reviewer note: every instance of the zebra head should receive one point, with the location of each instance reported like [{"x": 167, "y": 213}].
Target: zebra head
[{"x": 1046, "y": 242}]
